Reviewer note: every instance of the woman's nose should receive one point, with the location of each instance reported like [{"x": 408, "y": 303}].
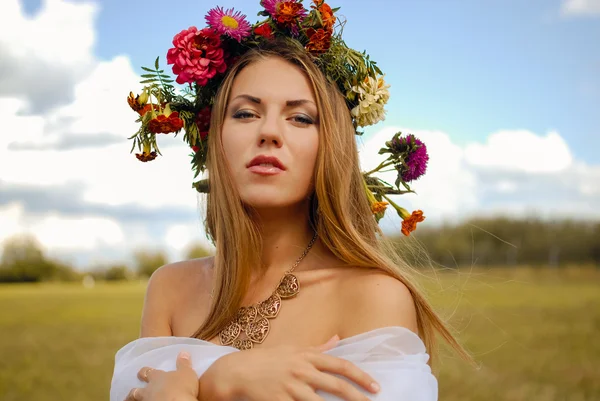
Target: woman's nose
[{"x": 271, "y": 130}]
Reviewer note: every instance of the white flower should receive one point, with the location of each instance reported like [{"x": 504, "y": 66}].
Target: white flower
[{"x": 372, "y": 94}]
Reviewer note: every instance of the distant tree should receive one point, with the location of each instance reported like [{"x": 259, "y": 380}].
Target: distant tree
[
  {"x": 197, "y": 251},
  {"x": 146, "y": 262},
  {"x": 117, "y": 273},
  {"x": 23, "y": 260}
]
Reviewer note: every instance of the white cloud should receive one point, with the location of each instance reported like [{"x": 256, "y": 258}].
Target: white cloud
[
  {"x": 60, "y": 233},
  {"x": 580, "y": 7},
  {"x": 448, "y": 184},
  {"x": 60, "y": 38},
  {"x": 522, "y": 151},
  {"x": 91, "y": 195},
  {"x": 43, "y": 56},
  {"x": 513, "y": 172}
]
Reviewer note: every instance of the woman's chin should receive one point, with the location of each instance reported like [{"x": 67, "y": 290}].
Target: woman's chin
[{"x": 270, "y": 198}]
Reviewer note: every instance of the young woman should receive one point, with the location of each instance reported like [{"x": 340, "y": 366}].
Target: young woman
[{"x": 301, "y": 300}]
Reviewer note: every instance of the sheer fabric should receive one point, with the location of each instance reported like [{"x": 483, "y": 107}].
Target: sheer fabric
[{"x": 394, "y": 356}]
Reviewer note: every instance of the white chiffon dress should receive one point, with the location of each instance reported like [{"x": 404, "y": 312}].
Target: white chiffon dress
[{"x": 394, "y": 356}]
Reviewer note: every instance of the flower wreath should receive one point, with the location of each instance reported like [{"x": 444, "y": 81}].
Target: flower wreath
[{"x": 200, "y": 60}]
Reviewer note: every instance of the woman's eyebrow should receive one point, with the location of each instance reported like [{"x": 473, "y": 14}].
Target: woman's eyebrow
[
  {"x": 299, "y": 102},
  {"x": 289, "y": 103},
  {"x": 248, "y": 97}
]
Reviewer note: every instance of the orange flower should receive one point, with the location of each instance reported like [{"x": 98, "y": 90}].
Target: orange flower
[
  {"x": 319, "y": 41},
  {"x": 147, "y": 108},
  {"x": 378, "y": 207},
  {"x": 287, "y": 12},
  {"x": 410, "y": 222},
  {"x": 138, "y": 102},
  {"x": 326, "y": 15},
  {"x": 163, "y": 124},
  {"x": 146, "y": 156}
]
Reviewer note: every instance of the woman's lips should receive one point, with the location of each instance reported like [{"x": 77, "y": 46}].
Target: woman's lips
[{"x": 265, "y": 170}]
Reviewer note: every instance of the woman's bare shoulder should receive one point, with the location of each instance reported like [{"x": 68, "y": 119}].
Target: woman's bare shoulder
[
  {"x": 166, "y": 289},
  {"x": 372, "y": 299},
  {"x": 184, "y": 273}
]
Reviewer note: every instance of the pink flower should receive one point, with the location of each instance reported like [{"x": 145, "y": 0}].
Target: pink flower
[
  {"x": 197, "y": 56},
  {"x": 229, "y": 23}
]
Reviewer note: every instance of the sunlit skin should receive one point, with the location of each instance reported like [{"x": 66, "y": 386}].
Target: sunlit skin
[{"x": 272, "y": 111}]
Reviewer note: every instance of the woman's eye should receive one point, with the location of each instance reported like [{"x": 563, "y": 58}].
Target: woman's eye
[
  {"x": 303, "y": 120},
  {"x": 242, "y": 114}
]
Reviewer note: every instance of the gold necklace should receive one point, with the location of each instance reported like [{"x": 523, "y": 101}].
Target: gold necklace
[{"x": 253, "y": 320}]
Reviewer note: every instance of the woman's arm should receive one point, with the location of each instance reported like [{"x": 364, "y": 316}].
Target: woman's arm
[{"x": 155, "y": 320}]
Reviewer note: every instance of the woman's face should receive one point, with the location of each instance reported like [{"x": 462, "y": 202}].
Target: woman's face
[{"x": 272, "y": 113}]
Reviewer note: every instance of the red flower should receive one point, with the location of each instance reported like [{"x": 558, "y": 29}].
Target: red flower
[
  {"x": 203, "y": 118},
  {"x": 203, "y": 122},
  {"x": 146, "y": 156},
  {"x": 197, "y": 56},
  {"x": 264, "y": 30},
  {"x": 319, "y": 41},
  {"x": 288, "y": 12},
  {"x": 165, "y": 123}
]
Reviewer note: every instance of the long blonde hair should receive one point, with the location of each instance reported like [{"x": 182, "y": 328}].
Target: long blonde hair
[{"x": 344, "y": 221}]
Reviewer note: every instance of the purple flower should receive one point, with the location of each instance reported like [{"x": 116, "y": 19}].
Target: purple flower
[
  {"x": 416, "y": 160},
  {"x": 270, "y": 6}
]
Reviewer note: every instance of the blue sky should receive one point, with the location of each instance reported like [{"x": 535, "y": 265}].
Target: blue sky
[
  {"x": 468, "y": 67},
  {"x": 506, "y": 95}
]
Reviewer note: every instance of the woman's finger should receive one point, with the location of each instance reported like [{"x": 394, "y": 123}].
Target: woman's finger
[
  {"x": 144, "y": 374},
  {"x": 184, "y": 361},
  {"x": 136, "y": 394},
  {"x": 336, "y": 386},
  {"x": 305, "y": 392},
  {"x": 331, "y": 343},
  {"x": 343, "y": 367}
]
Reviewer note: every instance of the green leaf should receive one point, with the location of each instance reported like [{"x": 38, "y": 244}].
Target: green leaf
[
  {"x": 335, "y": 9},
  {"x": 148, "y": 75},
  {"x": 148, "y": 81},
  {"x": 147, "y": 69},
  {"x": 156, "y": 63}
]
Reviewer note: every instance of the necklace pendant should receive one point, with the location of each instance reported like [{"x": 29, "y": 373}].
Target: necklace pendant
[
  {"x": 246, "y": 315},
  {"x": 258, "y": 330},
  {"x": 230, "y": 333},
  {"x": 288, "y": 287},
  {"x": 269, "y": 308},
  {"x": 243, "y": 344}
]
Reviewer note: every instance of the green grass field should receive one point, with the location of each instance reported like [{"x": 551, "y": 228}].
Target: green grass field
[{"x": 534, "y": 333}]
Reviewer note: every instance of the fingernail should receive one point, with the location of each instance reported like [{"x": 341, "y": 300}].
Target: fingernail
[
  {"x": 184, "y": 355},
  {"x": 336, "y": 338},
  {"x": 375, "y": 387}
]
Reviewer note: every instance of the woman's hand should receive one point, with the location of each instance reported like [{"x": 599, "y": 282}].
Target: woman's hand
[
  {"x": 283, "y": 373},
  {"x": 179, "y": 385}
]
